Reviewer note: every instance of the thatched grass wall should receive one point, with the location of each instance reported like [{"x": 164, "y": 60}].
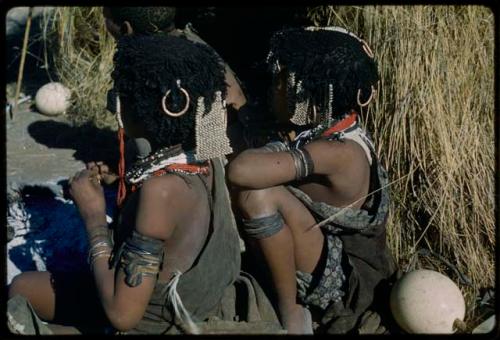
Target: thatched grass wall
[
  {"x": 82, "y": 53},
  {"x": 433, "y": 120}
]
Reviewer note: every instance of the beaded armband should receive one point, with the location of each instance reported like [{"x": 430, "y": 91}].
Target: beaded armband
[{"x": 141, "y": 256}]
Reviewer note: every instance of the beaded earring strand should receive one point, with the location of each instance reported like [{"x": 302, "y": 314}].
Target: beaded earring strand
[{"x": 122, "y": 189}]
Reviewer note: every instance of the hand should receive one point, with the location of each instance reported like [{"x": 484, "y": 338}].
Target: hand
[
  {"x": 106, "y": 175},
  {"x": 88, "y": 195}
]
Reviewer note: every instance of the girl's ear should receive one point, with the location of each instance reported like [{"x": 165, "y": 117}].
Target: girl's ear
[{"x": 126, "y": 28}]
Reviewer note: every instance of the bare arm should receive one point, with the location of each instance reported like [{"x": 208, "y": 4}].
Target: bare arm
[
  {"x": 156, "y": 218},
  {"x": 257, "y": 169}
]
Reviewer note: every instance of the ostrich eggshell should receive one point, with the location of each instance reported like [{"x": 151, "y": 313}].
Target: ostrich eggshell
[
  {"x": 425, "y": 301},
  {"x": 52, "y": 99}
]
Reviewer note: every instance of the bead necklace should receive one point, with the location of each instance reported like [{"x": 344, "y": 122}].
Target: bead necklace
[
  {"x": 335, "y": 131},
  {"x": 163, "y": 161}
]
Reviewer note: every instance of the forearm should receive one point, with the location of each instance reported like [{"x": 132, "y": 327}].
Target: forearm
[
  {"x": 123, "y": 314},
  {"x": 123, "y": 303},
  {"x": 104, "y": 277},
  {"x": 100, "y": 248},
  {"x": 261, "y": 168},
  {"x": 125, "y": 289}
]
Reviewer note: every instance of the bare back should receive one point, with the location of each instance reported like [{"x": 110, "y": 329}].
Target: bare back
[
  {"x": 192, "y": 211},
  {"x": 344, "y": 185}
]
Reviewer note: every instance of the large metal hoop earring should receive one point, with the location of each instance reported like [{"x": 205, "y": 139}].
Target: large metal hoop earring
[
  {"x": 175, "y": 114},
  {"x": 369, "y": 99}
]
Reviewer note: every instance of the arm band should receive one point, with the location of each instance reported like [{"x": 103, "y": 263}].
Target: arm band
[
  {"x": 303, "y": 163},
  {"x": 263, "y": 227},
  {"x": 141, "y": 256}
]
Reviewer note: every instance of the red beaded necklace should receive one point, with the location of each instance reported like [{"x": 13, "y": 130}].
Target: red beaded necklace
[
  {"x": 190, "y": 169},
  {"x": 341, "y": 125}
]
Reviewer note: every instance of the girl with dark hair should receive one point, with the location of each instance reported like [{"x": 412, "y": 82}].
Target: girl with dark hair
[
  {"x": 315, "y": 207},
  {"x": 173, "y": 254},
  {"x": 122, "y": 21}
]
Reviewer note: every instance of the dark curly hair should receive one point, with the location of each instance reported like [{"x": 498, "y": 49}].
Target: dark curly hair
[
  {"x": 144, "y": 20},
  {"x": 321, "y": 57},
  {"x": 148, "y": 66}
]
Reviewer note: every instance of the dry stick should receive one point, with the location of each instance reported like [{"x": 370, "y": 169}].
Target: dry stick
[
  {"x": 23, "y": 58},
  {"x": 331, "y": 218}
]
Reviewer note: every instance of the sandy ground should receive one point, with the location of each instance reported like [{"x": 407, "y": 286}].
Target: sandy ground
[
  {"x": 30, "y": 161},
  {"x": 44, "y": 228}
]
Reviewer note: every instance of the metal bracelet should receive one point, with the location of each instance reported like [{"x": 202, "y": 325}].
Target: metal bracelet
[
  {"x": 306, "y": 161},
  {"x": 99, "y": 240},
  {"x": 303, "y": 163},
  {"x": 95, "y": 256},
  {"x": 100, "y": 243},
  {"x": 93, "y": 249},
  {"x": 97, "y": 232},
  {"x": 299, "y": 169}
]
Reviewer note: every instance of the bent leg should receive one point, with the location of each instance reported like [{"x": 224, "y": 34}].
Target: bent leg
[
  {"x": 286, "y": 248},
  {"x": 307, "y": 243},
  {"x": 36, "y": 287},
  {"x": 66, "y": 299}
]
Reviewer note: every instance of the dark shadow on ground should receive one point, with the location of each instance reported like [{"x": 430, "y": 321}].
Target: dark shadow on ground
[{"x": 89, "y": 142}]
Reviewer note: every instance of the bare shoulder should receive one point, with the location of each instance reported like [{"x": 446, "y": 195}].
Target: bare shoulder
[
  {"x": 338, "y": 157},
  {"x": 163, "y": 202},
  {"x": 164, "y": 187},
  {"x": 345, "y": 165}
]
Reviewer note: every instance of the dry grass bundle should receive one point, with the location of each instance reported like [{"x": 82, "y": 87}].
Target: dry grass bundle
[
  {"x": 82, "y": 52},
  {"x": 433, "y": 123}
]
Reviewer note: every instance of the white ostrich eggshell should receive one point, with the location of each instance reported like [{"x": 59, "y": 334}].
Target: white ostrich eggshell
[
  {"x": 425, "y": 301},
  {"x": 52, "y": 99}
]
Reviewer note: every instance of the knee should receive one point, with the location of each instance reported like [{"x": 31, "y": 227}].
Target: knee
[
  {"x": 262, "y": 218},
  {"x": 256, "y": 203},
  {"x": 21, "y": 284}
]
